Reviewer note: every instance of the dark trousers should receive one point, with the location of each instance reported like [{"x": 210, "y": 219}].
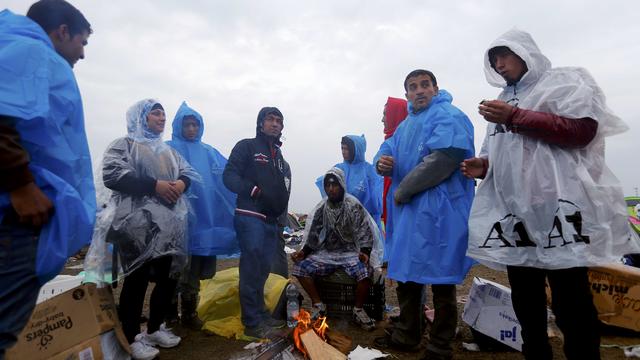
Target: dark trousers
[
  {"x": 572, "y": 305},
  {"x": 280, "y": 264},
  {"x": 134, "y": 290},
  {"x": 409, "y": 328},
  {"x": 19, "y": 285}
]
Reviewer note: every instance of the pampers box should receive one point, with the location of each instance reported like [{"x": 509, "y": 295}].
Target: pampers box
[
  {"x": 489, "y": 311},
  {"x": 71, "y": 325}
]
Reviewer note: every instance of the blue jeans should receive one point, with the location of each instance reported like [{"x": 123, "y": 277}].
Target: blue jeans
[
  {"x": 19, "y": 285},
  {"x": 258, "y": 241}
]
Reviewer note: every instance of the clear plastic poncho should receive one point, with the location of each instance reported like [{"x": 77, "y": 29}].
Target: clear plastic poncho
[
  {"x": 362, "y": 180},
  {"x": 352, "y": 221},
  {"x": 542, "y": 205},
  {"x": 142, "y": 227}
]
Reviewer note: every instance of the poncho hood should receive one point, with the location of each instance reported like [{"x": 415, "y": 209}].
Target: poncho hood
[
  {"x": 183, "y": 112},
  {"x": 395, "y": 111},
  {"x": 359, "y": 147},
  {"x": 137, "y": 128},
  {"x": 522, "y": 44},
  {"x": 22, "y": 26}
]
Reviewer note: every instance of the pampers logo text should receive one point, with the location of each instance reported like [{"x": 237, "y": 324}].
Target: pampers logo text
[{"x": 45, "y": 332}]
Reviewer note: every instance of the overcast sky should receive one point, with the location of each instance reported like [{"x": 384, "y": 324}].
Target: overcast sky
[{"x": 330, "y": 65}]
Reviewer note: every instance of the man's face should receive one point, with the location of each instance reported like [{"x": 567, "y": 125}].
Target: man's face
[
  {"x": 272, "y": 125},
  {"x": 190, "y": 128},
  {"x": 420, "y": 90},
  {"x": 384, "y": 117},
  {"x": 334, "y": 191},
  {"x": 509, "y": 65},
  {"x": 155, "y": 120},
  {"x": 346, "y": 154},
  {"x": 71, "y": 47}
]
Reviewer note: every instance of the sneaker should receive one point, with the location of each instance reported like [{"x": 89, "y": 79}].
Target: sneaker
[
  {"x": 317, "y": 310},
  {"x": 361, "y": 318},
  {"x": 163, "y": 338},
  {"x": 257, "y": 333},
  {"x": 274, "y": 323},
  {"x": 142, "y": 351}
]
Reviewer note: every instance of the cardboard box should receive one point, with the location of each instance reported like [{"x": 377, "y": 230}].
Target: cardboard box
[
  {"x": 57, "y": 286},
  {"x": 88, "y": 350},
  {"x": 490, "y": 312},
  {"x": 67, "y": 320},
  {"x": 616, "y": 294}
]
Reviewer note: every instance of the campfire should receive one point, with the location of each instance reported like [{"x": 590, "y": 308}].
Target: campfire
[{"x": 316, "y": 341}]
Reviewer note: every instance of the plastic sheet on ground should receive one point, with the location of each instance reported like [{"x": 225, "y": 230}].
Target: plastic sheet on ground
[
  {"x": 219, "y": 306},
  {"x": 360, "y": 353}
]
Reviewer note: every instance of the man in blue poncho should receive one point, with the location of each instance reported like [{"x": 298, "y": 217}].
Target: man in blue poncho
[
  {"x": 362, "y": 180},
  {"x": 211, "y": 229},
  {"x": 44, "y": 158},
  {"x": 427, "y": 219}
]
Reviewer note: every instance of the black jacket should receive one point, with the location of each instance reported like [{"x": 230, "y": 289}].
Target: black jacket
[{"x": 259, "y": 162}]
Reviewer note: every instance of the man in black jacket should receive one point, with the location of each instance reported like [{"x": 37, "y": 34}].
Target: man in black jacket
[{"x": 256, "y": 171}]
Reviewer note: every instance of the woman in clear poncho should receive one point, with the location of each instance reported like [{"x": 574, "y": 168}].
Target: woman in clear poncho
[{"x": 148, "y": 223}]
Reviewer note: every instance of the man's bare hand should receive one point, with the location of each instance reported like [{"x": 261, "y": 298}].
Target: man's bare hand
[
  {"x": 179, "y": 185},
  {"x": 298, "y": 256},
  {"x": 364, "y": 258},
  {"x": 496, "y": 111},
  {"x": 167, "y": 192},
  {"x": 472, "y": 168},
  {"x": 31, "y": 204},
  {"x": 385, "y": 165}
]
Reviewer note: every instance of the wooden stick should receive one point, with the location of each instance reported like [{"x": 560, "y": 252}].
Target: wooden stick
[{"x": 318, "y": 349}]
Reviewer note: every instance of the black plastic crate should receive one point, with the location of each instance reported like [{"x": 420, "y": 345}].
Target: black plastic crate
[{"x": 338, "y": 293}]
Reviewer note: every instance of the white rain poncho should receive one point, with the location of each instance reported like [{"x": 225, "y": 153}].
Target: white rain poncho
[
  {"x": 542, "y": 205},
  {"x": 351, "y": 221},
  {"x": 142, "y": 226}
]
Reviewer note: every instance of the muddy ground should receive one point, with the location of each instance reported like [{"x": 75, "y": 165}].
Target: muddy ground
[{"x": 198, "y": 345}]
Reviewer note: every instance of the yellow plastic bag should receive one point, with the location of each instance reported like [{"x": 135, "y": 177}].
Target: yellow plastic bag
[{"x": 219, "y": 306}]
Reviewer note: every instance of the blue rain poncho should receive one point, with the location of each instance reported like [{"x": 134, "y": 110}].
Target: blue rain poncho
[
  {"x": 427, "y": 238},
  {"x": 211, "y": 230},
  {"x": 362, "y": 180},
  {"x": 39, "y": 90}
]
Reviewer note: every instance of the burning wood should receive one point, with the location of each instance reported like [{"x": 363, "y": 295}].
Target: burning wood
[
  {"x": 318, "y": 349},
  {"x": 310, "y": 338}
]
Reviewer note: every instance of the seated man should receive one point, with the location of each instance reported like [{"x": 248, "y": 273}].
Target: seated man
[{"x": 341, "y": 236}]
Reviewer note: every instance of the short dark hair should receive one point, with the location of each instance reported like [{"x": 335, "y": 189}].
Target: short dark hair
[
  {"x": 50, "y": 14},
  {"x": 420, "y": 72},
  {"x": 497, "y": 51}
]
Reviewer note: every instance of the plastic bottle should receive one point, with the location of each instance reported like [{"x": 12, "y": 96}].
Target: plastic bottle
[{"x": 293, "y": 306}]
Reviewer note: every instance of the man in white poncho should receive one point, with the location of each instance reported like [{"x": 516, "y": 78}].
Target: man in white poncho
[{"x": 548, "y": 206}]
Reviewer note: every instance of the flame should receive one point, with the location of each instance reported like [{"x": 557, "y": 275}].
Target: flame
[{"x": 320, "y": 326}]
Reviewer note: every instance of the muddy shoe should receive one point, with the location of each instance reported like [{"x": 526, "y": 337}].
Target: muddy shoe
[
  {"x": 361, "y": 318},
  {"x": 257, "y": 333},
  {"x": 274, "y": 323}
]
